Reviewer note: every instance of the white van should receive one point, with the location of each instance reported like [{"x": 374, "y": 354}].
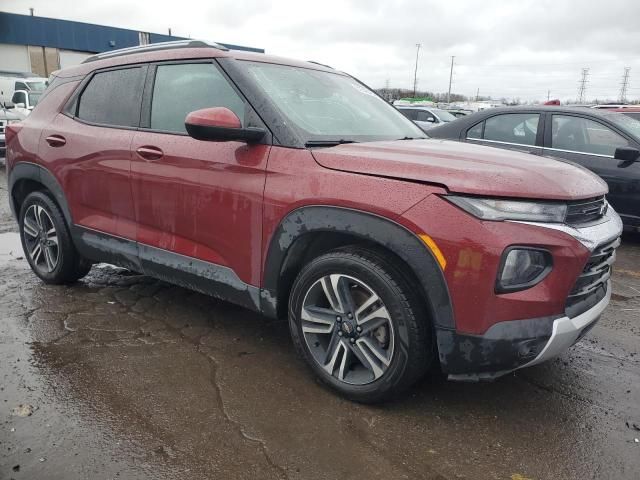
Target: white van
[{"x": 22, "y": 89}]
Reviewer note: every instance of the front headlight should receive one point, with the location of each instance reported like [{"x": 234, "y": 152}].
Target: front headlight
[
  {"x": 499, "y": 209},
  {"x": 12, "y": 121}
]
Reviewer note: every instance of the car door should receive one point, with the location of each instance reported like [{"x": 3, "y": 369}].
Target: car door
[
  {"x": 592, "y": 144},
  {"x": 88, "y": 146},
  {"x": 194, "y": 199},
  {"x": 513, "y": 131}
]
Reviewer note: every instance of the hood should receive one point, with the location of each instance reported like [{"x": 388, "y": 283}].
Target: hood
[{"x": 465, "y": 168}]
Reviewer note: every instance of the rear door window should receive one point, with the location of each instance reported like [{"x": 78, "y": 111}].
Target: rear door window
[
  {"x": 183, "y": 88},
  {"x": 409, "y": 113},
  {"x": 582, "y": 135},
  {"x": 424, "y": 116},
  {"x": 517, "y": 128},
  {"x": 113, "y": 98},
  {"x": 475, "y": 132}
]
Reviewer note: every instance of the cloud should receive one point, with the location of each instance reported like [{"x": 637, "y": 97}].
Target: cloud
[{"x": 504, "y": 48}]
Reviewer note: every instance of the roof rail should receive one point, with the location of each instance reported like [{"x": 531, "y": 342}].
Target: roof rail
[
  {"x": 321, "y": 64},
  {"x": 153, "y": 47}
]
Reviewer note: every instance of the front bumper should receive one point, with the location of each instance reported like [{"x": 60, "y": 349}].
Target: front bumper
[
  {"x": 567, "y": 331},
  {"x": 509, "y": 345}
]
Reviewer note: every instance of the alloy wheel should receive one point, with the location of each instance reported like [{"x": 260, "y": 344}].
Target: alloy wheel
[
  {"x": 347, "y": 329},
  {"x": 41, "y": 238}
]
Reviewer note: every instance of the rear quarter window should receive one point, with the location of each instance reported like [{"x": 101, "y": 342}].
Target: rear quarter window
[{"x": 113, "y": 98}]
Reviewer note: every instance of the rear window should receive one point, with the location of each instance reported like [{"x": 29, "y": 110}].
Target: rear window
[{"x": 113, "y": 98}]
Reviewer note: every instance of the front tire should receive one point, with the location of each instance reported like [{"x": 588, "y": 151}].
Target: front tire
[
  {"x": 359, "y": 324},
  {"x": 47, "y": 243}
]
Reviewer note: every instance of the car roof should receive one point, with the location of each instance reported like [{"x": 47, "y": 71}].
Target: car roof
[
  {"x": 190, "y": 50},
  {"x": 626, "y": 110}
]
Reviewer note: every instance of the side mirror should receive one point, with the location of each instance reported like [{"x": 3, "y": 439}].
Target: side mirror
[
  {"x": 431, "y": 120},
  {"x": 627, "y": 154},
  {"x": 9, "y": 105},
  {"x": 219, "y": 124}
]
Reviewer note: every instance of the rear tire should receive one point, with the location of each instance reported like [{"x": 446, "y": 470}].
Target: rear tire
[
  {"x": 47, "y": 243},
  {"x": 357, "y": 321}
]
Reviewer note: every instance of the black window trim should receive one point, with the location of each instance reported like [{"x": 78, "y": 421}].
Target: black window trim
[{"x": 71, "y": 107}]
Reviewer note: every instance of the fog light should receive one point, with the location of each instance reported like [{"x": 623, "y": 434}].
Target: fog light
[{"x": 522, "y": 268}]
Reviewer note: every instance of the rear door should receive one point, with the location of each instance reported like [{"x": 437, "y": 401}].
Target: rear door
[
  {"x": 592, "y": 144},
  {"x": 196, "y": 199},
  {"x": 89, "y": 148},
  {"x": 513, "y": 131}
]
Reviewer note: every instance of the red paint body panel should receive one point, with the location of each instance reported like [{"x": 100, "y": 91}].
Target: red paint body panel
[
  {"x": 473, "y": 248},
  {"x": 202, "y": 199},
  {"x": 93, "y": 168},
  {"x": 465, "y": 168},
  {"x": 294, "y": 180}
]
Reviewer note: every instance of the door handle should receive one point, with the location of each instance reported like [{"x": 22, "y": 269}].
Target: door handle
[
  {"x": 56, "y": 140},
  {"x": 150, "y": 153}
]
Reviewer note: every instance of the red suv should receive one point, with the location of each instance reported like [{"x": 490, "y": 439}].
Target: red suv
[{"x": 294, "y": 190}]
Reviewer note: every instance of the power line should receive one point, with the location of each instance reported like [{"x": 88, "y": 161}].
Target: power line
[{"x": 625, "y": 85}]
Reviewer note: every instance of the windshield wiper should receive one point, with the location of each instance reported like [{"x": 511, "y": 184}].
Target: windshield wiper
[
  {"x": 327, "y": 143},
  {"x": 412, "y": 138}
]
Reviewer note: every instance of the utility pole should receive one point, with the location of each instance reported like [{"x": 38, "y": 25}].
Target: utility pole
[
  {"x": 548, "y": 95},
  {"x": 415, "y": 72},
  {"x": 583, "y": 85},
  {"x": 450, "y": 79},
  {"x": 624, "y": 85},
  {"x": 477, "y": 94}
]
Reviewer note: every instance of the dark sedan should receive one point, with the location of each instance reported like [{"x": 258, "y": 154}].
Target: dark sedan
[{"x": 605, "y": 142}]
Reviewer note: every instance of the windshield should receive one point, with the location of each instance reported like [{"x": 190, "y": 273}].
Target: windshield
[
  {"x": 325, "y": 106},
  {"x": 37, "y": 86},
  {"x": 34, "y": 98},
  {"x": 627, "y": 123},
  {"x": 443, "y": 115}
]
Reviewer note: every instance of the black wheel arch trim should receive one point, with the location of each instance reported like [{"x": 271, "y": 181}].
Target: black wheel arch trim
[
  {"x": 369, "y": 227},
  {"x": 37, "y": 173}
]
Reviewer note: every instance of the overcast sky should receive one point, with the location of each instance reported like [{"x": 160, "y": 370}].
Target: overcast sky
[{"x": 505, "y": 48}]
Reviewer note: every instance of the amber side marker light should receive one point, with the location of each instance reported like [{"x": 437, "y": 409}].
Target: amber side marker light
[{"x": 431, "y": 245}]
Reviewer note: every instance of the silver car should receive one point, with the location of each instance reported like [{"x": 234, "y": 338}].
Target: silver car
[{"x": 426, "y": 117}]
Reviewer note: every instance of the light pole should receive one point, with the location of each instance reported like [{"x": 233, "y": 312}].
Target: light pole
[
  {"x": 450, "y": 78},
  {"x": 415, "y": 72}
]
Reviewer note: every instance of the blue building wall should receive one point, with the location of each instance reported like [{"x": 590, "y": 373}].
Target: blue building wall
[{"x": 84, "y": 37}]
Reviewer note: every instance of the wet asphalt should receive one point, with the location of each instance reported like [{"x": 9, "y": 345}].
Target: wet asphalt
[{"x": 121, "y": 376}]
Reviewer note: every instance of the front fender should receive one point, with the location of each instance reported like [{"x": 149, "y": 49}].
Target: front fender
[{"x": 367, "y": 226}]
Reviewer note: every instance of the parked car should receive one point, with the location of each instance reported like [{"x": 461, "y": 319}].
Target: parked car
[
  {"x": 21, "y": 89},
  {"x": 7, "y": 117},
  {"x": 633, "y": 112},
  {"x": 603, "y": 141},
  {"x": 294, "y": 190},
  {"x": 426, "y": 117}
]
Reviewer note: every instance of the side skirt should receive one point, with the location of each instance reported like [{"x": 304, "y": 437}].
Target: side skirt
[{"x": 204, "y": 277}]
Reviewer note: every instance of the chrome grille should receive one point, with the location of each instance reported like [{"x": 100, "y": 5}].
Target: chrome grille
[
  {"x": 585, "y": 211},
  {"x": 595, "y": 273},
  {"x": 1, "y": 126}
]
